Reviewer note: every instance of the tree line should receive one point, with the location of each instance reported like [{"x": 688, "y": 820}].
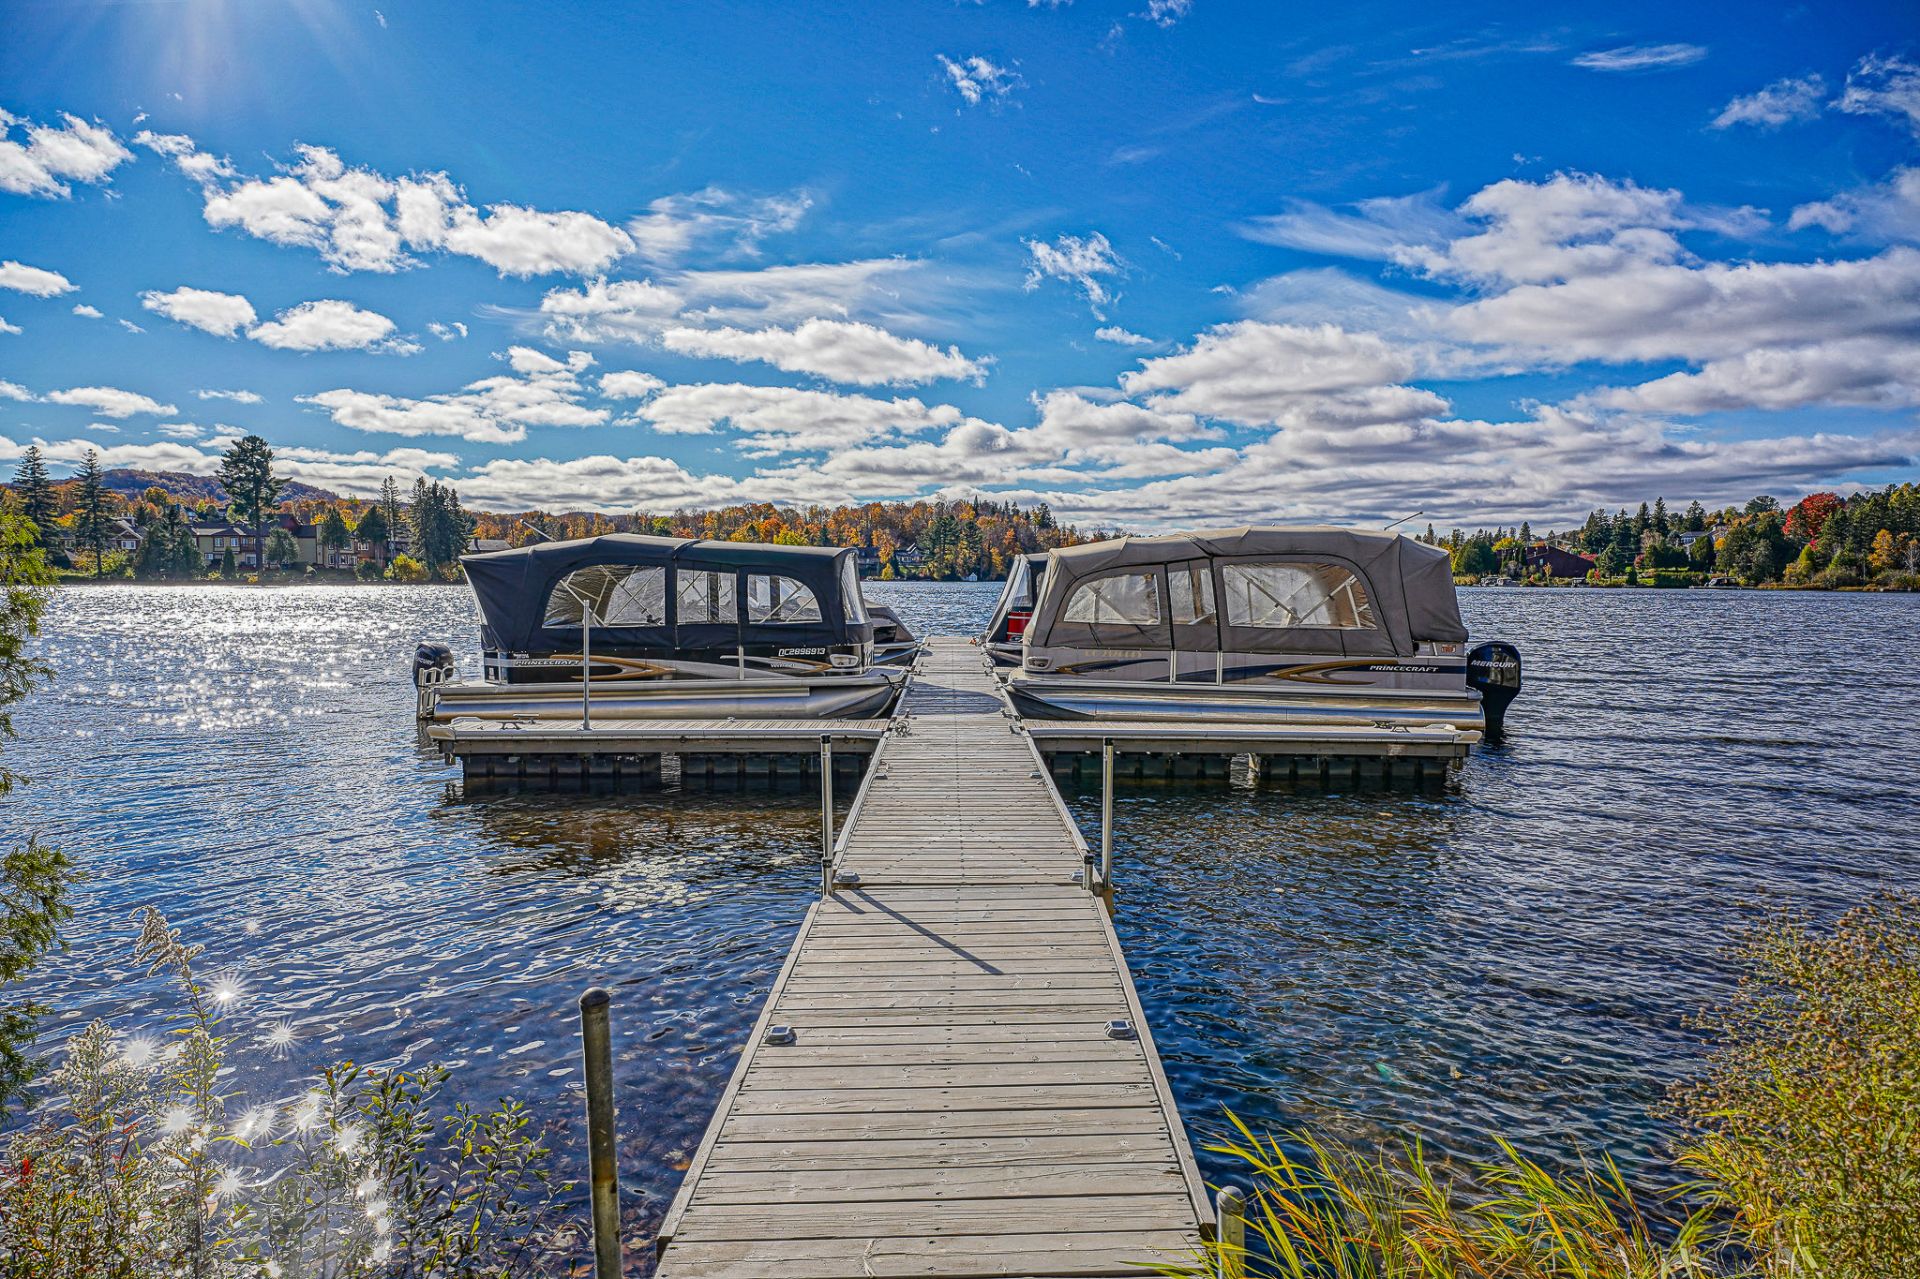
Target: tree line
[
  {"x": 413, "y": 538},
  {"x": 1825, "y": 540}
]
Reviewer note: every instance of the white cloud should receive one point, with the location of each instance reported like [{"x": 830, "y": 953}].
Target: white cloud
[
  {"x": 880, "y": 290},
  {"x": 1641, "y": 57},
  {"x": 9, "y": 328},
  {"x": 14, "y": 391},
  {"x": 74, "y": 150},
  {"x": 841, "y": 350},
  {"x": 977, "y": 80},
  {"x": 452, "y": 331},
  {"x": 713, "y": 218},
  {"x": 1571, "y": 225},
  {"x": 222, "y": 314},
  {"x": 542, "y": 391},
  {"x": 629, "y": 385},
  {"x": 238, "y": 397},
  {"x": 32, "y": 279},
  {"x": 1713, "y": 311},
  {"x": 1260, "y": 374},
  {"x": 1121, "y": 337},
  {"x": 328, "y": 325},
  {"x": 1382, "y": 228},
  {"x": 86, "y": 312},
  {"x": 361, "y": 220},
  {"x": 1080, "y": 262},
  {"x": 1886, "y": 211},
  {"x": 1884, "y": 86},
  {"x": 784, "y": 419},
  {"x": 1165, "y": 13},
  {"x": 179, "y": 430},
  {"x": 1876, "y": 371},
  {"x": 130, "y": 326},
  {"x": 109, "y": 401},
  {"x": 1782, "y": 102}
]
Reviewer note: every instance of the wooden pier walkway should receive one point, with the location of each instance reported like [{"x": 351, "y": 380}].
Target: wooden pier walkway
[{"x": 954, "y": 1098}]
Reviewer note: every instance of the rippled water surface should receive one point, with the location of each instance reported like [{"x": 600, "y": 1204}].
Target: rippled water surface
[{"x": 1515, "y": 953}]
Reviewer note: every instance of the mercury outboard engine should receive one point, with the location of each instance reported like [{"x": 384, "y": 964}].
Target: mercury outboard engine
[
  {"x": 1494, "y": 669},
  {"x": 433, "y": 666}
]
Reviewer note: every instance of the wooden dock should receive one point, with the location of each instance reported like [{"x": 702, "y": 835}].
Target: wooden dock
[{"x": 952, "y": 1075}]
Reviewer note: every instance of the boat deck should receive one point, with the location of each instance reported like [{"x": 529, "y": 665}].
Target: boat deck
[{"x": 951, "y": 1100}]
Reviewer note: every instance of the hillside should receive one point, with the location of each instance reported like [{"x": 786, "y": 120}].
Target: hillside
[{"x": 195, "y": 488}]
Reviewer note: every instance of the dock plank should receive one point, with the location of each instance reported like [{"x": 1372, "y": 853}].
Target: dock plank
[{"x": 951, "y": 1103}]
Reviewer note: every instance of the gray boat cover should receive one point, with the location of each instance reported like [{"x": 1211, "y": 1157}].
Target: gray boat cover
[
  {"x": 1409, "y": 586},
  {"x": 513, "y": 588}
]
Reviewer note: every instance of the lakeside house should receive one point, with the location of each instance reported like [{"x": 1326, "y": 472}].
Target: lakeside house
[
  {"x": 1556, "y": 562},
  {"x": 910, "y": 556}
]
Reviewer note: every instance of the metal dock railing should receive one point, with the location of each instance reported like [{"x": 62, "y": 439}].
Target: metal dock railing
[{"x": 952, "y": 1074}]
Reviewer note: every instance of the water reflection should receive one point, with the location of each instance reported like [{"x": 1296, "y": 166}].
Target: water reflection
[{"x": 1515, "y": 950}]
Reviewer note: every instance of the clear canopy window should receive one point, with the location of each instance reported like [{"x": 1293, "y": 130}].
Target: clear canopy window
[
  {"x": 618, "y": 594},
  {"x": 853, "y": 602},
  {"x": 1190, "y": 588},
  {"x": 1285, "y": 596},
  {"x": 779, "y": 599},
  {"x": 706, "y": 598},
  {"x": 1122, "y": 599}
]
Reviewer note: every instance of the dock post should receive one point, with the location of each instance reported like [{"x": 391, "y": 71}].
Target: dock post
[
  {"x": 1106, "y": 814},
  {"x": 826, "y": 816},
  {"x": 597, "y": 1047},
  {"x": 1231, "y": 1211}
]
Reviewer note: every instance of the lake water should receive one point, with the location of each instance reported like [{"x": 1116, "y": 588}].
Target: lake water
[{"x": 1516, "y": 954}]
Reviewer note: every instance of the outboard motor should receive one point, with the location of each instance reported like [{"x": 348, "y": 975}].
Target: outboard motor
[
  {"x": 433, "y": 666},
  {"x": 1494, "y": 669}
]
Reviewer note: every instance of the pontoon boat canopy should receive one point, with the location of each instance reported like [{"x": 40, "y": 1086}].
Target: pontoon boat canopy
[
  {"x": 1284, "y": 590},
  {"x": 666, "y": 593},
  {"x": 1024, "y": 576}
]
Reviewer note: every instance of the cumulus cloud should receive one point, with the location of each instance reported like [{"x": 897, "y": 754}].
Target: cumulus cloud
[
  {"x": 1259, "y": 374},
  {"x": 879, "y": 290},
  {"x": 540, "y": 391},
  {"x": 629, "y": 384},
  {"x": 452, "y": 331},
  {"x": 1079, "y": 262},
  {"x": 9, "y": 328},
  {"x": 328, "y": 325},
  {"x": 1876, "y": 371},
  {"x": 34, "y": 280},
  {"x": 361, "y": 220},
  {"x": 1782, "y": 102},
  {"x": 1571, "y": 225},
  {"x": 1885, "y": 211},
  {"x": 1641, "y": 57},
  {"x": 238, "y": 397},
  {"x": 222, "y": 314},
  {"x": 1121, "y": 337},
  {"x": 713, "y": 218},
  {"x": 977, "y": 80},
  {"x": 73, "y": 150},
  {"x": 784, "y": 419},
  {"x": 840, "y": 350},
  {"x": 86, "y": 312},
  {"x": 1884, "y": 86},
  {"x": 109, "y": 401}
]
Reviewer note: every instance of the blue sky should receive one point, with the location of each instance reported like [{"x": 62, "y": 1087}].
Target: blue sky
[{"x": 1157, "y": 262}]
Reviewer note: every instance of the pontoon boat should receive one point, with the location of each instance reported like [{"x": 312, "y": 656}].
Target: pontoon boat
[
  {"x": 670, "y": 629},
  {"x": 1306, "y": 626},
  {"x": 1013, "y": 610}
]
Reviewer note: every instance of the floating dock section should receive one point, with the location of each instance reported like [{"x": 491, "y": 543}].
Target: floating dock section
[{"x": 952, "y": 1074}]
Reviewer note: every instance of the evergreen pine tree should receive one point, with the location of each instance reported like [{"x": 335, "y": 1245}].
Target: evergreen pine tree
[
  {"x": 36, "y": 492},
  {"x": 92, "y": 523},
  {"x": 253, "y": 490}
]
